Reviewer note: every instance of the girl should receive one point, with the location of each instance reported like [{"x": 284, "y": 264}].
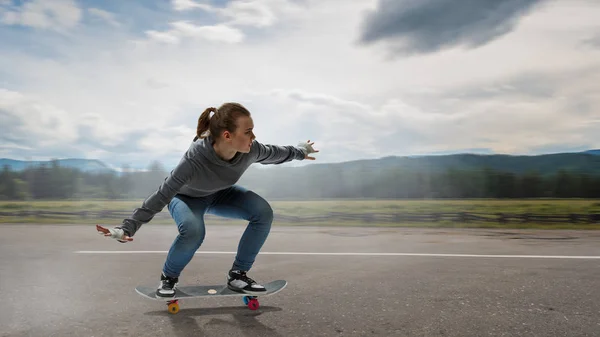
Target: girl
[{"x": 204, "y": 182}]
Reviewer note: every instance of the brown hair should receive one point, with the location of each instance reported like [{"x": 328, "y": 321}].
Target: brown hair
[{"x": 225, "y": 118}]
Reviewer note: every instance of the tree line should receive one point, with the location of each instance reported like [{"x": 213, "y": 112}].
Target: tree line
[{"x": 55, "y": 182}]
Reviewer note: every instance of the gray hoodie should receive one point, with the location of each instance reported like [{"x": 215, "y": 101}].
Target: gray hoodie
[{"x": 201, "y": 172}]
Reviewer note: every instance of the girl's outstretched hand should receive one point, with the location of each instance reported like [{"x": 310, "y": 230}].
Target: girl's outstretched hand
[
  {"x": 115, "y": 233},
  {"x": 309, "y": 149}
]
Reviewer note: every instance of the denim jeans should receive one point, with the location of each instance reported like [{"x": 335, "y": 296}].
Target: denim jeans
[{"x": 234, "y": 202}]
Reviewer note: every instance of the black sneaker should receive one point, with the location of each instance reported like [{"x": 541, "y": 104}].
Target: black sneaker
[
  {"x": 167, "y": 285},
  {"x": 238, "y": 281}
]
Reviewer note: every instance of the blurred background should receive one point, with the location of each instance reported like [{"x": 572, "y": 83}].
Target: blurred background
[{"x": 464, "y": 190}]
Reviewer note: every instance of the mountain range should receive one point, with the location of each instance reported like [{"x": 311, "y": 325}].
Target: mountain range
[
  {"x": 466, "y": 175},
  {"x": 86, "y": 165},
  {"x": 584, "y": 162}
]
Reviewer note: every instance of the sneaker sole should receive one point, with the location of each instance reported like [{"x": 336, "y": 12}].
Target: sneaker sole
[
  {"x": 164, "y": 295},
  {"x": 249, "y": 292}
]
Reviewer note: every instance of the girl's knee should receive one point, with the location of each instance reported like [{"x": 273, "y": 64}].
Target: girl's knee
[
  {"x": 193, "y": 230},
  {"x": 259, "y": 208},
  {"x": 267, "y": 213},
  {"x": 264, "y": 214}
]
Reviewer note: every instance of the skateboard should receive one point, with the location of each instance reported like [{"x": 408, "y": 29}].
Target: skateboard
[{"x": 182, "y": 292}]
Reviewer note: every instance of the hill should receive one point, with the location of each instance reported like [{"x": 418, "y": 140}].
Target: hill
[
  {"x": 581, "y": 162},
  {"x": 440, "y": 176},
  {"x": 85, "y": 165},
  {"x": 594, "y": 152},
  {"x": 588, "y": 163},
  {"x": 472, "y": 174}
]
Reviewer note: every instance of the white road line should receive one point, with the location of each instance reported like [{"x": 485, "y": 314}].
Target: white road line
[{"x": 351, "y": 254}]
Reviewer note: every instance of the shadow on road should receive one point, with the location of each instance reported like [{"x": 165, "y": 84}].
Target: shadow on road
[{"x": 185, "y": 323}]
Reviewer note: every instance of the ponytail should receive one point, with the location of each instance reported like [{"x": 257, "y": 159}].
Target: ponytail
[
  {"x": 204, "y": 123},
  {"x": 225, "y": 118}
]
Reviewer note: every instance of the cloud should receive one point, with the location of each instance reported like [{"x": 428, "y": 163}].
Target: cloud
[
  {"x": 183, "y": 29},
  {"x": 252, "y": 13},
  {"x": 184, "y": 5},
  {"x": 321, "y": 100},
  {"x": 231, "y": 19},
  {"x": 521, "y": 113},
  {"x": 356, "y": 128},
  {"x": 106, "y": 16},
  {"x": 44, "y": 14},
  {"x": 593, "y": 41},
  {"x": 30, "y": 124},
  {"x": 171, "y": 37},
  {"x": 426, "y": 26},
  {"x": 212, "y": 33},
  {"x": 515, "y": 114}
]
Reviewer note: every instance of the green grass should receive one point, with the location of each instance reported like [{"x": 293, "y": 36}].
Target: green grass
[
  {"x": 321, "y": 207},
  {"x": 541, "y": 206},
  {"x": 70, "y": 205}
]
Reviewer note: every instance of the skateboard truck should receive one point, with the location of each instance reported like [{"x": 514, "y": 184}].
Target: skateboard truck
[{"x": 250, "y": 301}]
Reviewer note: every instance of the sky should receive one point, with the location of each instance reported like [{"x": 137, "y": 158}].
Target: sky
[{"x": 125, "y": 81}]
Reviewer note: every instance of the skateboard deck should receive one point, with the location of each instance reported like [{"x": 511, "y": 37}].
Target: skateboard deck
[{"x": 183, "y": 292}]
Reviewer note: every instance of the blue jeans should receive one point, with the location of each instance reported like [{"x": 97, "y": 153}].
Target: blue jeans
[{"x": 234, "y": 202}]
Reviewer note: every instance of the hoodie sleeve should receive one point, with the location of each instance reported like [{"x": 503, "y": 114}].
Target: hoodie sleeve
[
  {"x": 276, "y": 154},
  {"x": 179, "y": 176}
]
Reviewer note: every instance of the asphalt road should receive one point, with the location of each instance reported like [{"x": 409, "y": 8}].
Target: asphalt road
[{"x": 60, "y": 281}]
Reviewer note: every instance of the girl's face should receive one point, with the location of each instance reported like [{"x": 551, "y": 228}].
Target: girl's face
[{"x": 241, "y": 139}]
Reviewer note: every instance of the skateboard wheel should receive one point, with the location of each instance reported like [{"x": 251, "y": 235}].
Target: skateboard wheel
[
  {"x": 253, "y": 304},
  {"x": 246, "y": 300},
  {"x": 173, "y": 307}
]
